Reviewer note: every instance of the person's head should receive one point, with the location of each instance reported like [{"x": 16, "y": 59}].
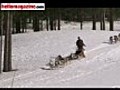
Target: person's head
[
  {"x": 78, "y": 37},
  {"x": 59, "y": 56}
]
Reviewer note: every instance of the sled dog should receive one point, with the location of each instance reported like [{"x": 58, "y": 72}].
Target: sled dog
[
  {"x": 111, "y": 39},
  {"x": 115, "y": 38}
]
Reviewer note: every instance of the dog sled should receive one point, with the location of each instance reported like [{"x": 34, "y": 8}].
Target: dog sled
[{"x": 60, "y": 62}]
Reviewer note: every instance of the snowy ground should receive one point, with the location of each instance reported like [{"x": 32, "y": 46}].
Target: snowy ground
[{"x": 31, "y": 51}]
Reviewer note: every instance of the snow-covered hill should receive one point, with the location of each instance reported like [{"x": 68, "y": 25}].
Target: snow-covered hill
[{"x": 33, "y": 50}]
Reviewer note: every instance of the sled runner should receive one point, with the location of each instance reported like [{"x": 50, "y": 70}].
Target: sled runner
[{"x": 47, "y": 68}]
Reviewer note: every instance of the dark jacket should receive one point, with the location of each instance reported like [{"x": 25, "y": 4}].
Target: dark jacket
[{"x": 80, "y": 44}]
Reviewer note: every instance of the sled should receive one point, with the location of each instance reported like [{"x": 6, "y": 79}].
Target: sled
[
  {"x": 60, "y": 62},
  {"x": 49, "y": 68}
]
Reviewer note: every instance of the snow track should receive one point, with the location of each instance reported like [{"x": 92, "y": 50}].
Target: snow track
[
  {"x": 82, "y": 71},
  {"x": 99, "y": 57}
]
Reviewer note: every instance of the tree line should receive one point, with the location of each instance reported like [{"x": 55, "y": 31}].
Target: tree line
[{"x": 12, "y": 22}]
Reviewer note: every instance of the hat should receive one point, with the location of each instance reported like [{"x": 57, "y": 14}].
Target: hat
[{"x": 78, "y": 37}]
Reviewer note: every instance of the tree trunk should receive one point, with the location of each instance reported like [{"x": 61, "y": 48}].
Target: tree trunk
[
  {"x": 41, "y": 25},
  {"x": 59, "y": 23},
  {"x": 51, "y": 24},
  {"x": 54, "y": 23},
  {"x": 101, "y": 24},
  {"x": 0, "y": 21},
  {"x": 81, "y": 18},
  {"x": 13, "y": 30},
  {"x": 111, "y": 18},
  {"x": 59, "y": 18},
  {"x": 47, "y": 24},
  {"x": 103, "y": 19},
  {"x": 7, "y": 48},
  {"x": 94, "y": 23},
  {"x": 94, "y": 19},
  {"x": 81, "y": 25},
  {"x": 5, "y": 62},
  {"x": 6, "y": 22},
  {"x": 0, "y": 49},
  {"x": 0, "y": 44},
  {"x": 23, "y": 21},
  {"x": 52, "y": 19},
  {"x": 18, "y": 25},
  {"x": 1, "y": 30},
  {"x": 36, "y": 24},
  {"x": 10, "y": 42}
]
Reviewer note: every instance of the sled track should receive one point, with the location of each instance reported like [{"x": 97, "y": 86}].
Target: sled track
[
  {"x": 98, "y": 51},
  {"x": 57, "y": 74}
]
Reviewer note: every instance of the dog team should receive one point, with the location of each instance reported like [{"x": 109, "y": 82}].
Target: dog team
[
  {"x": 79, "y": 53},
  {"x": 62, "y": 61},
  {"x": 114, "y": 39}
]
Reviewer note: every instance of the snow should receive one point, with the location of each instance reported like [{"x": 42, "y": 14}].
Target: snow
[{"x": 33, "y": 50}]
